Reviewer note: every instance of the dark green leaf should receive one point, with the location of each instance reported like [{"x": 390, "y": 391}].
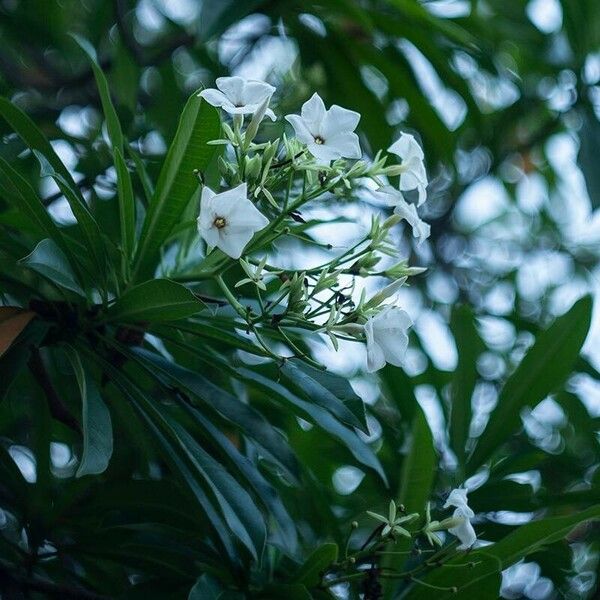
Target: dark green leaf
[
  {"x": 544, "y": 368},
  {"x": 309, "y": 573},
  {"x": 49, "y": 261},
  {"x": 155, "y": 300},
  {"x": 177, "y": 183},
  {"x": 331, "y": 392}
]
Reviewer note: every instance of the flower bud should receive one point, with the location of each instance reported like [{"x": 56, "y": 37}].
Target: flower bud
[{"x": 253, "y": 166}]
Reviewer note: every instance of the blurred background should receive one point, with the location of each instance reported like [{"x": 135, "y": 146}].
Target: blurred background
[{"x": 503, "y": 95}]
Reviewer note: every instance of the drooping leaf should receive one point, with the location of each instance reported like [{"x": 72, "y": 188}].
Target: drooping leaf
[
  {"x": 251, "y": 422},
  {"x": 33, "y": 137},
  {"x": 155, "y": 300},
  {"x": 95, "y": 420},
  {"x": 331, "y": 392},
  {"x": 544, "y": 368},
  {"x": 177, "y": 183},
  {"x": 49, "y": 261},
  {"x": 85, "y": 219}
]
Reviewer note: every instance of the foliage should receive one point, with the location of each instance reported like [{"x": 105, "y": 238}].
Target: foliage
[{"x": 164, "y": 451}]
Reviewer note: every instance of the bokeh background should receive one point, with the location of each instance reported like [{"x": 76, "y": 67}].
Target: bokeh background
[{"x": 505, "y": 98}]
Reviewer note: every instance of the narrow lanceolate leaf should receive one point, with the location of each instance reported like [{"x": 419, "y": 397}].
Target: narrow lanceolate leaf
[
  {"x": 418, "y": 476},
  {"x": 49, "y": 261},
  {"x": 95, "y": 420},
  {"x": 214, "y": 398},
  {"x": 24, "y": 198},
  {"x": 112, "y": 120},
  {"x": 490, "y": 560},
  {"x": 85, "y": 219},
  {"x": 155, "y": 300},
  {"x": 317, "y": 415},
  {"x": 543, "y": 370},
  {"x": 12, "y": 322},
  {"x": 469, "y": 346},
  {"x": 28, "y": 131},
  {"x": 331, "y": 392},
  {"x": 177, "y": 183},
  {"x": 126, "y": 208}
]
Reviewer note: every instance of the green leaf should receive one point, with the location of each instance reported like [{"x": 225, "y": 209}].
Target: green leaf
[
  {"x": 205, "y": 588},
  {"x": 33, "y": 137},
  {"x": 589, "y": 156},
  {"x": 85, "y": 219},
  {"x": 155, "y": 300},
  {"x": 126, "y": 208},
  {"x": 532, "y": 536},
  {"x": 49, "y": 261},
  {"x": 315, "y": 414},
  {"x": 331, "y": 392},
  {"x": 309, "y": 573},
  {"x": 251, "y": 422},
  {"x": 543, "y": 370},
  {"x": 112, "y": 120},
  {"x": 21, "y": 195},
  {"x": 177, "y": 183},
  {"x": 96, "y": 422},
  {"x": 469, "y": 346},
  {"x": 418, "y": 476},
  {"x": 481, "y": 581}
]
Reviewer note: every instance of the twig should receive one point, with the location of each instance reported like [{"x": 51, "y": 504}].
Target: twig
[{"x": 57, "y": 407}]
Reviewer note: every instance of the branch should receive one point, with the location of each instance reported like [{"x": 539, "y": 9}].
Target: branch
[{"x": 57, "y": 407}]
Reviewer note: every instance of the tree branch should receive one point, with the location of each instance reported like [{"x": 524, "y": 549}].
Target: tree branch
[{"x": 58, "y": 409}]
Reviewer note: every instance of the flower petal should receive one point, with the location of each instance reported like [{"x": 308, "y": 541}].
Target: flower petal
[
  {"x": 215, "y": 98},
  {"x": 256, "y": 92},
  {"x": 302, "y": 131},
  {"x": 233, "y": 242},
  {"x": 345, "y": 144},
  {"x": 338, "y": 120},
  {"x": 226, "y": 203},
  {"x": 313, "y": 112},
  {"x": 233, "y": 88}
]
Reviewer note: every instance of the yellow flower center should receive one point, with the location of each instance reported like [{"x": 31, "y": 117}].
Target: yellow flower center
[
  {"x": 319, "y": 140},
  {"x": 219, "y": 222}
]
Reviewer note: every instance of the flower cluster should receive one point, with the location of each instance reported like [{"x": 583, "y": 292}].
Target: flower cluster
[{"x": 267, "y": 183}]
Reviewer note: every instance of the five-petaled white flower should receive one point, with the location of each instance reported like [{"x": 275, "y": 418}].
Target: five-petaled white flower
[
  {"x": 328, "y": 134},
  {"x": 239, "y": 96},
  {"x": 229, "y": 220},
  {"x": 387, "y": 338},
  {"x": 464, "y": 530},
  {"x": 408, "y": 212},
  {"x": 412, "y": 170}
]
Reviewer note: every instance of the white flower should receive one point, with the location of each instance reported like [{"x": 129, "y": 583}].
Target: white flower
[
  {"x": 229, "y": 220},
  {"x": 412, "y": 174},
  {"x": 421, "y": 230},
  {"x": 464, "y": 530},
  {"x": 328, "y": 134},
  {"x": 523, "y": 581},
  {"x": 239, "y": 96},
  {"x": 387, "y": 338}
]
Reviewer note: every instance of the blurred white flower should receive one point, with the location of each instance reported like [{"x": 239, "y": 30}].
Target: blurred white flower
[
  {"x": 523, "y": 581},
  {"x": 392, "y": 197},
  {"x": 464, "y": 530},
  {"x": 239, "y": 96},
  {"x": 328, "y": 134},
  {"x": 387, "y": 338},
  {"x": 229, "y": 220},
  {"x": 412, "y": 170}
]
